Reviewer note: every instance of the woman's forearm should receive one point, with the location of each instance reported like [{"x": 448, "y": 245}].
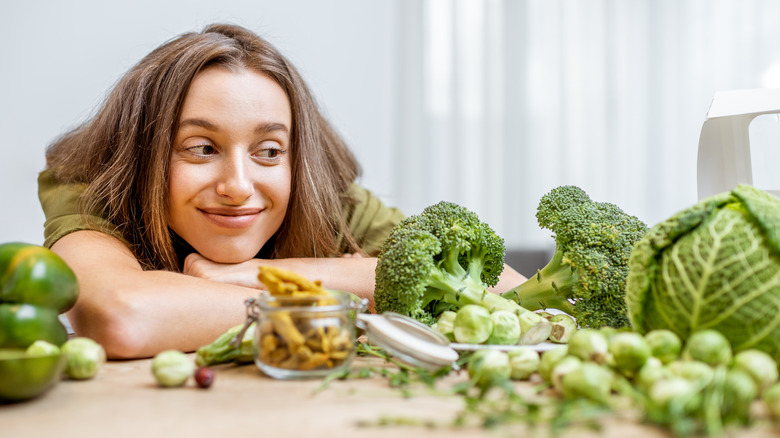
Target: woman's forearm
[
  {"x": 352, "y": 274},
  {"x": 135, "y": 313}
]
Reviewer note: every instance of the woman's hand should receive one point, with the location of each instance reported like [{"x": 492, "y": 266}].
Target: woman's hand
[
  {"x": 353, "y": 273},
  {"x": 239, "y": 274}
]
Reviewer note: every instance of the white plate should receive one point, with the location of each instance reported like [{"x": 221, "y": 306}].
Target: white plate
[{"x": 544, "y": 346}]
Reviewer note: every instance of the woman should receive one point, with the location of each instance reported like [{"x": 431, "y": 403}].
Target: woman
[{"x": 207, "y": 159}]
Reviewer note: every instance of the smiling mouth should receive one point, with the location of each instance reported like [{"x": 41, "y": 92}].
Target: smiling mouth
[{"x": 231, "y": 217}]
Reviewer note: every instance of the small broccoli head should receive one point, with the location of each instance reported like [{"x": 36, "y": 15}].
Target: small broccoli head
[
  {"x": 479, "y": 249},
  {"x": 596, "y": 239},
  {"x": 587, "y": 275},
  {"x": 557, "y": 202},
  {"x": 404, "y": 264},
  {"x": 433, "y": 261}
]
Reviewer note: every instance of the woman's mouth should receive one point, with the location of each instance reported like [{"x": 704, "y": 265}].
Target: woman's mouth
[{"x": 231, "y": 217}]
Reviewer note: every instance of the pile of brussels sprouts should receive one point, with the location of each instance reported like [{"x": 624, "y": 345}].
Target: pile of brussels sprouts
[
  {"x": 474, "y": 324},
  {"x": 83, "y": 356},
  {"x": 695, "y": 386}
]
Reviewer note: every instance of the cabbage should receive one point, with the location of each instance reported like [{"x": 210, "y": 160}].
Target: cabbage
[{"x": 715, "y": 265}]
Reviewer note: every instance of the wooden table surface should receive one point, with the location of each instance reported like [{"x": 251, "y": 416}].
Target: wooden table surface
[{"x": 124, "y": 401}]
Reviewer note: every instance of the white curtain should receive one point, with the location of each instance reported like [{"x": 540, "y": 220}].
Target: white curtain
[{"x": 501, "y": 101}]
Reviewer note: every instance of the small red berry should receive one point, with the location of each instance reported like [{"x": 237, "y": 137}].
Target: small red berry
[{"x": 204, "y": 377}]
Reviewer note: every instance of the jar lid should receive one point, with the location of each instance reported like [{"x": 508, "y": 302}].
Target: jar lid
[{"x": 409, "y": 340}]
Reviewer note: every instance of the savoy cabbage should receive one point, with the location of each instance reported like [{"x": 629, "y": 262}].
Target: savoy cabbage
[{"x": 715, "y": 265}]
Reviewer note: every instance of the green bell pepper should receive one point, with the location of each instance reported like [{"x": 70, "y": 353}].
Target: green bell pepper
[{"x": 35, "y": 287}]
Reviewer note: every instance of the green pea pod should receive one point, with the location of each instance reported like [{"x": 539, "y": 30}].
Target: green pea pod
[{"x": 221, "y": 350}]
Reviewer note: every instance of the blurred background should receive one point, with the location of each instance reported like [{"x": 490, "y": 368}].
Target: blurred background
[{"x": 489, "y": 104}]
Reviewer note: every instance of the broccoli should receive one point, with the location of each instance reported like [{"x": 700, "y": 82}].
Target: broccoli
[
  {"x": 586, "y": 277},
  {"x": 443, "y": 259}
]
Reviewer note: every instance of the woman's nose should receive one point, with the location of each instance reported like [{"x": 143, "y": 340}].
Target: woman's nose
[{"x": 235, "y": 182}]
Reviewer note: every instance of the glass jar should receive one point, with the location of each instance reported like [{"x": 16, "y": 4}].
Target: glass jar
[{"x": 304, "y": 337}]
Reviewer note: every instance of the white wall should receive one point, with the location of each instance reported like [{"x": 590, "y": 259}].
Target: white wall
[
  {"x": 60, "y": 58},
  {"x": 370, "y": 64}
]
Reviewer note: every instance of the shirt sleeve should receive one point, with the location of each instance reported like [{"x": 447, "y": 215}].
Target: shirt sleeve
[
  {"x": 371, "y": 221},
  {"x": 60, "y": 204}
]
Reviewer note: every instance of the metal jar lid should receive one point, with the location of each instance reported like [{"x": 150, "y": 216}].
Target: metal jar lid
[{"x": 409, "y": 340}]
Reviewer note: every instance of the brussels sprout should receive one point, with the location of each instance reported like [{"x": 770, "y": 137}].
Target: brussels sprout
[
  {"x": 739, "y": 391},
  {"x": 652, "y": 371},
  {"x": 488, "y": 368},
  {"x": 544, "y": 314},
  {"x": 523, "y": 362},
  {"x": 506, "y": 328},
  {"x": 664, "y": 344},
  {"x": 473, "y": 324},
  {"x": 589, "y": 380},
  {"x": 446, "y": 324},
  {"x": 533, "y": 328},
  {"x": 771, "y": 398},
  {"x": 675, "y": 390},
  {"x": 693, "y": 371},
  {"x": 83, "y": 358},
  {"x": 42, "y": 348},
  {"x": 759, "y": 365},
  {"x": 565, "y": 366},
  {"x": 549, "y": 359},
  {"x": 589, "y": 344},
  {"x": 172, "y": 368},
  {"x": 708, "y": 346},
  {"x": 563, "y": 326},
  {"x": 629, "y": 351}
]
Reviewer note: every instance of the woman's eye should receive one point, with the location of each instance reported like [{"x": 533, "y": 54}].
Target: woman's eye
[
  {"x": 269, "y": 153},
  {"x": 204, "y": 149}
]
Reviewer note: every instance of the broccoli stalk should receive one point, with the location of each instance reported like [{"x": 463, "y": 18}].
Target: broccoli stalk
[
  {"x": 586, "y": 277},
  {"x": 549, "y": 288},
  {"x": 443, "y": 259},
  {"x": 451, "y": 283}
]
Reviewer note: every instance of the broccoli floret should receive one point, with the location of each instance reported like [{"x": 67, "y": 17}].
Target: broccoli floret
[
  {"x": 586, "y": 276},
  {"x": 442, "y": 259}
]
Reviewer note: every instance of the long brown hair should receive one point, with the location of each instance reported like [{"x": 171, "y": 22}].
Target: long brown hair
[{"x": 122, "y": 153}]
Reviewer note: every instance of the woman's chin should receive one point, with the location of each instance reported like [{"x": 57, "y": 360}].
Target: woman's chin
[{"x": 227, "y": 256}]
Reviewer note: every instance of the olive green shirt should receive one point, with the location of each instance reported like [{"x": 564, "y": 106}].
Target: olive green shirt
[{"x": 370, "y": 221}]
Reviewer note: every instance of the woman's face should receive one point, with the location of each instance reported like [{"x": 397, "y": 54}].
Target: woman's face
[{"x": 230, "y": 175}]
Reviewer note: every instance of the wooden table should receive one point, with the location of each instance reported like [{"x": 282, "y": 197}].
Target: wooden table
[{"x": 124, "y": 401}]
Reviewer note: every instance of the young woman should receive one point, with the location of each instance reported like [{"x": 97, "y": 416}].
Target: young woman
[{"x": 207, "y": 159}]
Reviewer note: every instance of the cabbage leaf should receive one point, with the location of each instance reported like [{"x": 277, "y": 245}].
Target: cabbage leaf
[{"x": 715, "y": 265}]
